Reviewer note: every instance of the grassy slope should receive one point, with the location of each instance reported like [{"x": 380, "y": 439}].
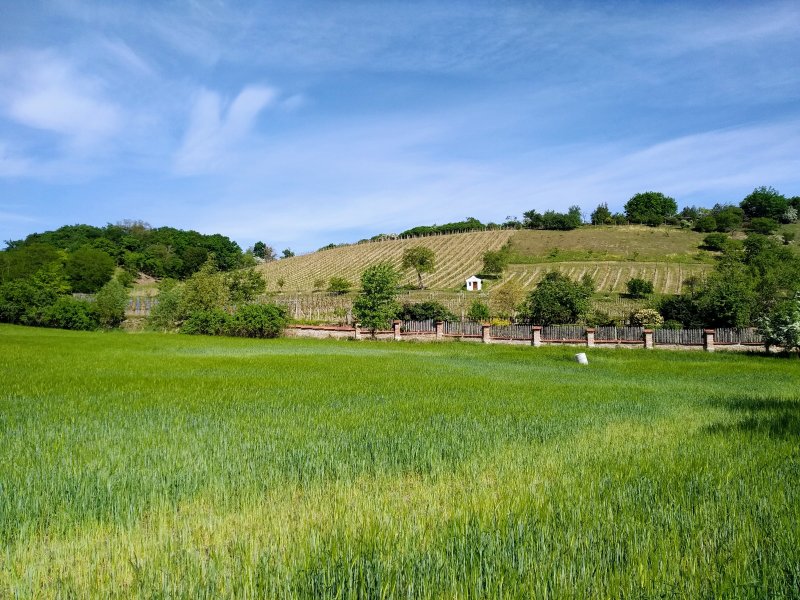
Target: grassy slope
[
  {"x": 666, "y": 255},
  {"x": 151, "y": 465}
]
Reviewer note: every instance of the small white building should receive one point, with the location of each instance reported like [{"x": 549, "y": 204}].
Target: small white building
[{"x": 474, "y": 284}]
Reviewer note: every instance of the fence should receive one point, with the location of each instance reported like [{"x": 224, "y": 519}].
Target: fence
[
  {"x": 745, "y": 337},
  {"x": 462, "y": 328},
  {"x": 563, "y": 333},
  {"x": 428, "y": 326},
  {"x": 679, "y": 337},
  {"x": 618, "y": 335}
]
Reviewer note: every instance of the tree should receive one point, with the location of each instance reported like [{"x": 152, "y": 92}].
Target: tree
[
  {"x": 338, "y": 285},
  {"x": 559, "y": 300},
  {"x": 763, "y": 225},
  {"x": 652, "y": 208},
  {"x": 601, "y": 215},
  {"x": 205, "y": 290},
  {"x": 287, "y": 253},
  {"x": 478, "y": 311},
  {"x": 88, "y": 269},
  {"x": 506, "y": 299},
  {"x": 421, "y": 259},
  {"x": 376, "y": 306},
  {"x": 765, "y": 202},
  {"x": 264, "y": 252},
  {"x": 781, "y": 326},
  {"x": 110, "y": 304},
  {"x": 244, "y": 285},
  {"x": 494, "y": 262},
  {"x": 167, "y": 314},
  {"x": 639, "y": 288}
]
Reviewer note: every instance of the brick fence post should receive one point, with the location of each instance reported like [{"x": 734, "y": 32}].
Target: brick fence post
[
  {"x": 708, "y": 340},
  {"x": 590, "y": 337},
  {"x": 357, "y": 331},
  {"x": 648, "y": 339},
  {"x": 536, "y": 335},
  {"x": 486, "y": 333},
  {"x": 439, "y": 330},
  {"x": 396, "y": 329}
]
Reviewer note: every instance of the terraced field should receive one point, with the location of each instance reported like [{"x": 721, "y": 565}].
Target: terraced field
[
  {"x": 611, "y": 276},
  {"x": 458, "y": 256}
]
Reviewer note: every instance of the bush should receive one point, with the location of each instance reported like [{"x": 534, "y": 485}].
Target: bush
[
  {"x": 258, "y": 321},
  {"x": 715, "y": 241},
  {"x": 206, "y": 322},
  {"x": 110, "y": 304},
  {"x": 647, "y": 317},
  {"x": 338, "y": 285},
  {"x": 558, "y": 300},
  {"x": 639, "y": 288},
  {"x": 70, "y": 313},
  {"x": 423, "y": 311},
  {"x": 88, "y": 269},
  {"x": 705, "y": 224},
  {"x": 167, "y": 314},
  {"x": 763, "y": 225},
  {"x": 478, "y": 311},
  {"x": 376, "y": 306},
  {"x": 781, "y": 326}
]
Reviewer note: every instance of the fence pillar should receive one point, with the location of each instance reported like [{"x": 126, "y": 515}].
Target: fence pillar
[
  {"x": 396, "y": 329},
  {"x": 357, "y": 331},
  {"x": 648, "y": 339},
  {"x": 486, "y": 333},
  {"x": 590, "y": 337},
  {"x": 439, "y": 330},
  {"x": 536, "y": 335},
  {"x": 708, "y": 340}
]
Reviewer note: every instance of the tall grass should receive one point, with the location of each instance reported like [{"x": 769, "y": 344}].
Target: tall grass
[{"x": 166, "y": 466}]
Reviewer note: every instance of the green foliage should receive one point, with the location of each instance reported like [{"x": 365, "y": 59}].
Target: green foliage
[
  {"x": 478, "y": 311},
  {"x": 422, "y": 311},
  {"x": 125, "y": 278},
  {"x": 258, "y": 321},
  {"x": 781, "y": 326},
  {"x": 421, "y": 259},
  {"x": 89, "y": 269},
  {"x": 681, "y": 309},
  {"x": 705, "y": 224},
  {"x": 647, "y": 317},
  {"x": 763, "y": 225},
  {"x": 264, "y": 252},
  {"x": 651, "y": 208},
  {"x": 338, "y": 285},
  {"x": 206, "y": 322},
  {"x": 495, "y": 262},
  {"x": 716, "y": 241},
  {"x": 110, "y": 304},
  {"x": 244, "y": 285},
  {"x": 375, "y": 307},
  {"x": 505, "y": 301},
  {"x": 205, "y": 290},
  {"x": 68, "y": 313},
  {"x": 557, "y": 300},
  {"x": 728, "y": 218},
  {"x": 639, "y": 288},
  {"x": 24, "y": 261},
  {"x": 25, "y": 301},
  {"x": 601, "y": 215},
  {"x": 470, "y": 224},
  {"x": 553, "y": 220},
  {"x": 765, "y": 202},
  {"x": 727, "y": 299},
  {"x": 168, "y": 313},
  {"x": 287, "y": 253}
]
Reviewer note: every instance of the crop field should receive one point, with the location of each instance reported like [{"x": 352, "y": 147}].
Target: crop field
[
  {"x": 458, "y": 256},
  {"x": 667, "y": 278},
  {"x": 149, "y": 465},
  {"x": 609, "y": 243}
]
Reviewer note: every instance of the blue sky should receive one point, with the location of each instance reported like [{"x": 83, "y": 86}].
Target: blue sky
[{"x": 304, "y": 123}]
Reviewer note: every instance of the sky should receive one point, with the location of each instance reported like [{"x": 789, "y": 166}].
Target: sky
[{"x": 305, "y": 123}]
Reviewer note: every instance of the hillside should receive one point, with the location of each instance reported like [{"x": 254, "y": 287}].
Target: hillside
[
  {"x": 611, "y": 254},
  {"x": 458, "y": 256}
]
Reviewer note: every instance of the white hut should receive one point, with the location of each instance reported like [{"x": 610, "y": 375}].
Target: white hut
[{"x": 474, "y": 284}]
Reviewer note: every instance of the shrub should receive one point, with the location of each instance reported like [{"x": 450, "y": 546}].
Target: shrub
[
  {"x": 70, "y": 313},
  {"x": 88, "y": 269},
  {"x": 558, "y": 300},
  {"x": 647, "y": 317},
  {"x": 705, "y": 224},
  {"x": 478, "y": 311},
  {"x": 167, "y": 314},
  {"x": 763, "y": 225},
  {"x": 781, "y": 326},
  {"x": 258, "y": 321},
  {"x": 639, "y": 288},
  {"x": 110, "y": 304},
  {"x": 423, "y": 311},
  {"x": 376, "y": 306},
  {"x": 338, "y": 285},
  {"x": 715, "y": 241},
  {"x": 206, "y": 322}
]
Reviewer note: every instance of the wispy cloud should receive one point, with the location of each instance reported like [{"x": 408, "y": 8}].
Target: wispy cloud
[{"x": 214, "y": 132}]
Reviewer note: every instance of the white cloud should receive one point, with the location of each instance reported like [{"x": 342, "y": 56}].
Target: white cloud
[
  {"x": 46, "y": 92},
  {"x": 213, "y": 137}
]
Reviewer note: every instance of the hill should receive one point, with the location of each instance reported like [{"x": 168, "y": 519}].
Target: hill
[
  {"x": 612, "y": 254},
  {"x": 458, "y": 256}
]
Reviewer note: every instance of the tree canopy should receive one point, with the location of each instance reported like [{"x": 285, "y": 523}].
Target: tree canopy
[
  {"x": 375, "y": 307},
  {"x": 421, "y": 259},
  {"x": 651, "y": 208}
]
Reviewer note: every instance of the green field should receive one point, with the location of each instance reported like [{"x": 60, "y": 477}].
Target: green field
[{"x": 157, "y": 466}]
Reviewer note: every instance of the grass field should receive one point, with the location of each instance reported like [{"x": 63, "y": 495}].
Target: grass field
[{"x": 160, "y": 466}]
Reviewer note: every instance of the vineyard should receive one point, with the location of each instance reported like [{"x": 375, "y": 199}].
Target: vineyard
[
  {"x": 457, "y": 257},
  {"x": 667, "y": 278}
]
